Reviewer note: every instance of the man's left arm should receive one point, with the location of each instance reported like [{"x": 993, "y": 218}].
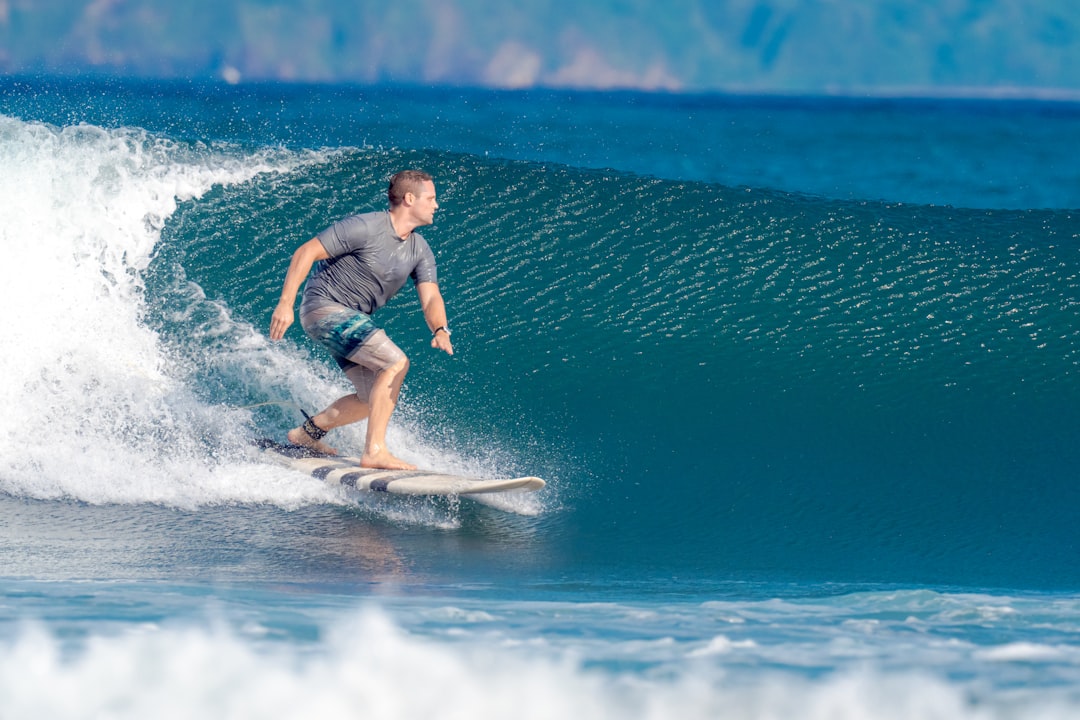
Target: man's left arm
[{"x": 431, "y": 302}]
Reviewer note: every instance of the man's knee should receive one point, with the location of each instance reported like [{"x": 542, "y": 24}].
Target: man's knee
[{"x": 399, "y": 367}]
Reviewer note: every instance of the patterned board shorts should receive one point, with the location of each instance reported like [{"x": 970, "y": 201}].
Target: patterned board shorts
[{"x": 360, "y": 348}]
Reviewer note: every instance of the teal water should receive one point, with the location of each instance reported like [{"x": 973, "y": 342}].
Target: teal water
[
  {"x": 858, "y": 391},
  {"x": 814, "y": 434}
]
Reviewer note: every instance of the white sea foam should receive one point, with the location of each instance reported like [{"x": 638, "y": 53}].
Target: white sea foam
[
  {"x": 368, "y": 666},
  {"x": 91, "y": 408}
]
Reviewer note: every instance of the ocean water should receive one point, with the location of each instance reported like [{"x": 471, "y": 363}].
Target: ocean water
[{"x": 802, "y": 374}]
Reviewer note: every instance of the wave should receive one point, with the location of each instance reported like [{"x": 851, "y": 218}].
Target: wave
[
  {"x": 719, "y": 378},
  {"x": 850, "y": 387}
]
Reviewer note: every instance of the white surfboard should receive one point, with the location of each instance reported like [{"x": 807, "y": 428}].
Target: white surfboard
[{"x": 347, "y": 471}]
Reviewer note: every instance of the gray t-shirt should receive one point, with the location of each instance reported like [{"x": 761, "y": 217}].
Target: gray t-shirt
[{"x": 368, "y": 264}]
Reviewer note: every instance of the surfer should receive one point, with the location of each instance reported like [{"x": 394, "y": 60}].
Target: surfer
[{"x": 360, "y": 262}]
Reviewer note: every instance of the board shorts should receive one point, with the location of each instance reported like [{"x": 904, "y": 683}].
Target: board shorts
[{"x": 360, "y": 348}]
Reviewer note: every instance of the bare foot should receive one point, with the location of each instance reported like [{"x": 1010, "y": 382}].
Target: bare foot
[
  {"x": 383, "y": 460},
  {"x": 297, "y": 436}
]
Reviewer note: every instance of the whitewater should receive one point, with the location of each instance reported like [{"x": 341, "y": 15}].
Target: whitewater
[{"x": 808, "y": 428}]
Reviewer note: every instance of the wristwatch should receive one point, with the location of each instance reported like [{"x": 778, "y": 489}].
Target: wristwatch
[{"x": 444, "y": 329}]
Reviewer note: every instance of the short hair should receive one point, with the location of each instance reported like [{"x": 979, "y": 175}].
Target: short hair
[{"x": 406, "y": 181}]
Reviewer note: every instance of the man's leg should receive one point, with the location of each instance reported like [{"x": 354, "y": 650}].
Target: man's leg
[
  {"x": 382, "y": 401},
  {"x": 341, "y": 331},
  {"x": 344, "y": 411},
  {"x": 375, "y": 366}
]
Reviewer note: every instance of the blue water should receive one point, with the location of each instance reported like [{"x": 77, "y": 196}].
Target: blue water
[{"x": 802, "y": 375}]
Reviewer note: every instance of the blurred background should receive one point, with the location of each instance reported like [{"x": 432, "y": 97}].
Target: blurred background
[{"x": 993, "y": 48}]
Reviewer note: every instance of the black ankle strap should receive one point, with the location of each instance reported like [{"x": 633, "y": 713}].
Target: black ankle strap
[{"x": 313, "y": 431}]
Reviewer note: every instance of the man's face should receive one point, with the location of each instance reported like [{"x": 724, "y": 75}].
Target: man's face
[{"x": 424, "y": 204}]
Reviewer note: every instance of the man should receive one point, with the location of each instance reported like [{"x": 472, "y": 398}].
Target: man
[{"x": 363, "y": 260}]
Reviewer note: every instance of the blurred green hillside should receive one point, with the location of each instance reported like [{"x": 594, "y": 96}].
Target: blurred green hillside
[{"x": 694, "y": 45}]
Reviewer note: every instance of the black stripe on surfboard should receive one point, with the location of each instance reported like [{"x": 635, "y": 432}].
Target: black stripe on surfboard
[
  {"x": 323, "y": 471},
  {"x": 379, "y": 485}
]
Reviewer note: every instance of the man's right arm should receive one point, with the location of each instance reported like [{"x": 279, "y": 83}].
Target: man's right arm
[{"x": 305, "y": 256}]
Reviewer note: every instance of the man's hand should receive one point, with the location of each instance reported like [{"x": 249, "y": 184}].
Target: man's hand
[
  {"x": 280, "y": 320},
  {"x": 441, "y": 341}
]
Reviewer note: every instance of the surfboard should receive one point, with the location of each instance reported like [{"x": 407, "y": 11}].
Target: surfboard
[{"x": 348, "y": 472}]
